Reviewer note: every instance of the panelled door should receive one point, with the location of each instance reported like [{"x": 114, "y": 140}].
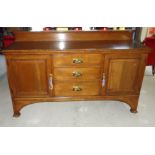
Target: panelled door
[
  {"x": 123, "y": 73},
  {"x": 30, "y": 75}
]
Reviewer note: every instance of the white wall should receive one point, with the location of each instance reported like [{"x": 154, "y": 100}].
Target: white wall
[
  {"x": 37, "y": 28},
  {"x": 144, "y": 33}
]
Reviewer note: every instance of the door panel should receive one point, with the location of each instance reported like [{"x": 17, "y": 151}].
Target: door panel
[
  {"x": 29, "y": 76},
  {"x": 123, "y": 74}
]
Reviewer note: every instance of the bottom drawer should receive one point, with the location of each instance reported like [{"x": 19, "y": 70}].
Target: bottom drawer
[{"x": 77, "y": 88}]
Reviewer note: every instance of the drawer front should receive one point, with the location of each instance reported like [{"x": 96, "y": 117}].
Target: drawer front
[
  {"x": 77, "y": 73},
  {"x": 77, "y": 88},
  {"x": 60, "y": 60}
]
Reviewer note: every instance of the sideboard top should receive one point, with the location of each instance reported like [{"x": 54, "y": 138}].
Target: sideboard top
[
  {"x": 73, "y": 45},
  {"x": 80, "y": 40}
]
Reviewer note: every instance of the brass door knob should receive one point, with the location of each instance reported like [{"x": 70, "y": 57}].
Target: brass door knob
[
  {"x": 77, "y": 88},
  {"x": 77, "y": 61},
  {"x": 76, "y": 74}
]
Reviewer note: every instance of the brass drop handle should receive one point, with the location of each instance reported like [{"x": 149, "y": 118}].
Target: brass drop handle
[
  {"x": 50, "y": 82},
  {"x": 77, "y": 88},
  {"x": 77, "y": 61},
  {"x": 76, "y": 74}
]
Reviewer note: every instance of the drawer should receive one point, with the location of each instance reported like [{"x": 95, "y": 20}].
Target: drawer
[
  {"x": 77, "y": 88},
  {"x": 77, "y": 73},
  {"x": 60, "y": 60}
]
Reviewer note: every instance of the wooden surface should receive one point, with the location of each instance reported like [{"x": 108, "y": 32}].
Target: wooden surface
[
  {"x": 123, "y": 73},
  {"x": 73, "y": 35},
  {"x": 83, "y": 70},
  {"x": 62, "y": 60},
  {"x": 29, "y": 75},
  {"x": 74, "y": 73},
  {"x": 74, "y": 45},
  {"x": 86, "y": 88}
]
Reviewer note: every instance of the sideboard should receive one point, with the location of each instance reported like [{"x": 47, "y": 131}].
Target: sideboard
[{"x": 74, "y": 66}]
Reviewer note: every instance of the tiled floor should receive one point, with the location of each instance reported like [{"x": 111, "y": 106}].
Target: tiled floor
[{"x": 83, "y": 113}]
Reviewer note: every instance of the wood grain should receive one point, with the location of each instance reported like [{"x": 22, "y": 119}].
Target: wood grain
[
  {"x": 63, "y": 60},
  {"x": 73, "y": 35},
  {"x": 84, "y": 73},
  {"x": 29, "y": 76},
  {"x": 124, "y": 73},
  {"x": 109, "y": 65},
  {"x": 66, "y": 88}
]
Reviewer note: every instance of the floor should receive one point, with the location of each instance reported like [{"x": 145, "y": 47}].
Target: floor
[
  {"x": 2, "y": 65},
  {"x": 79, "y": 114}
]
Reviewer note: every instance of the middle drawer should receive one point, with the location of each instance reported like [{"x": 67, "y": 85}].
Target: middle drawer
[{"x": 75, "y": 73}]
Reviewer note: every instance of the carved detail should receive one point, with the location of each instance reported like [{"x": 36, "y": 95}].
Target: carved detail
[
  {"x": 18, "y": 105},
  {"x": 132, "y": 101}
]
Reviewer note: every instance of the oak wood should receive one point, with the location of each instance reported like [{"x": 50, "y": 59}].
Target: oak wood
[
  {"x": 131, "y": 100},
  {"x": 123, "y": 73},
  {"x": 63, "y": 60},
  {"x": 69, "y": 73},
  {"x": 73, "y": 35},
  {"x": 120, "y": 79},
  {"x": 112, "y": 68},
  {"x": 66, "y": 88},
  {"x": 29, "y": 76},
  {"x": 74, "y": 46}
]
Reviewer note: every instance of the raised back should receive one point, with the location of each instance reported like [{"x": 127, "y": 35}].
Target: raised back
[{"x": 73, "y": 35}]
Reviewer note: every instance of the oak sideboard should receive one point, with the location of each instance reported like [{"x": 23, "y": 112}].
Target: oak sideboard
[{"x": 74, "y": 66}]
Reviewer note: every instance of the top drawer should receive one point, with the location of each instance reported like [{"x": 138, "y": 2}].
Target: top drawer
[{"x": 60, "y": 60}]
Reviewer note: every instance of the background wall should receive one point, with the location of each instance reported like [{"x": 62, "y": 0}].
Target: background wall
[{"x": 143, "y": 33}]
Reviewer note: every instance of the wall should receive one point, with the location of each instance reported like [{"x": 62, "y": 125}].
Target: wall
[{"x": 143, "y": 33}]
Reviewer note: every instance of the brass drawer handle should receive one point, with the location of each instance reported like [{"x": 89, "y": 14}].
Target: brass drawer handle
[
  {"x": 77, "y": 61},
  {"x": 76, "y": 74},
  {"x": 77, "y": 88}
]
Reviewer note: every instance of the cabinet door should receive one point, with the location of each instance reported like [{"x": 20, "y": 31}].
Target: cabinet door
[
  {"x": 28, "y": 75},
  {"x": 124, "y": 74}
]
